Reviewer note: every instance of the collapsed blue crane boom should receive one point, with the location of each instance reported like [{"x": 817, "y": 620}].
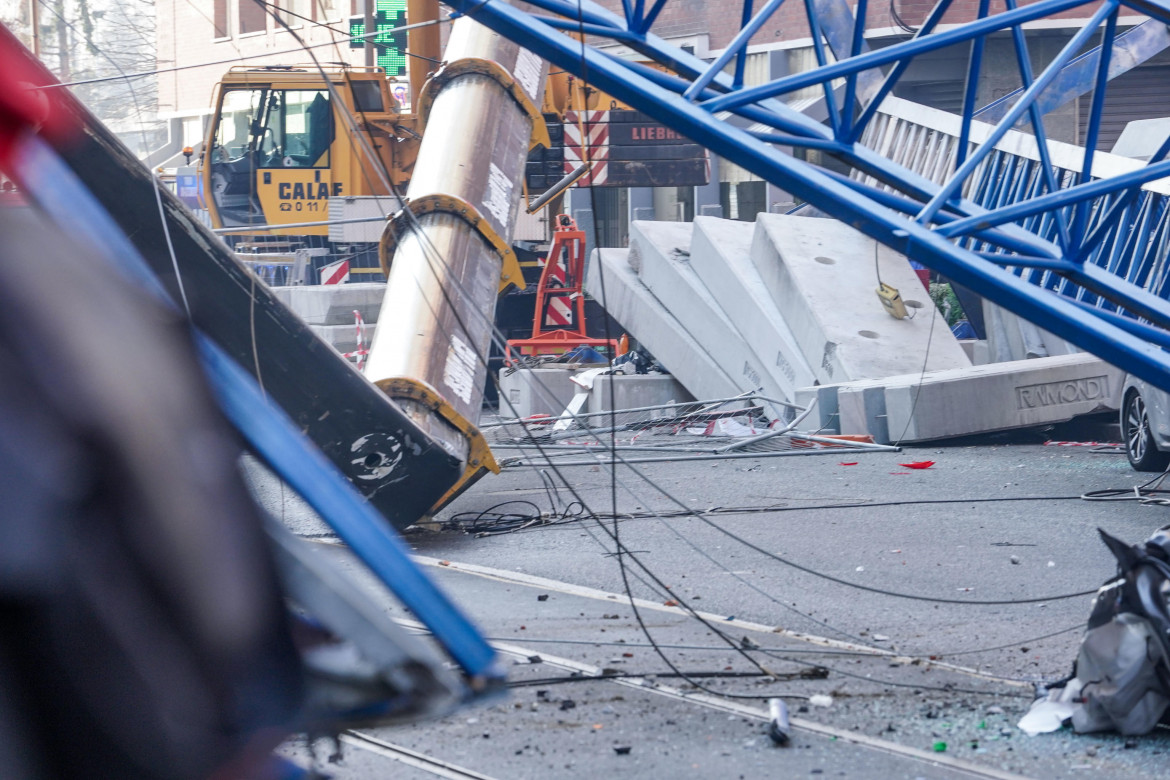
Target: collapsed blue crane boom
[{"x": 1001, "y": 250}]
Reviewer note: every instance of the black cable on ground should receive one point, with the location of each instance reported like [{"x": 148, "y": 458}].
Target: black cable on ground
[
  {"x": 621, "y": 550},
  {"x": 813, "y": 673},
  {"x": 572, "y": 517},
  {"x": 701, "y": 515},
  {"x": 1143, "y": 493}
]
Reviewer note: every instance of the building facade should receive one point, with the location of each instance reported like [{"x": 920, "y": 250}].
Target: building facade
[
  {"x": 199, "y": 40},
  {"x": 215, "y": 34}
]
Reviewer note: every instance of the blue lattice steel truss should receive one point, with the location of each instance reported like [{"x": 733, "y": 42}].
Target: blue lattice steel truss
[{"x": 1077, "y": 255}]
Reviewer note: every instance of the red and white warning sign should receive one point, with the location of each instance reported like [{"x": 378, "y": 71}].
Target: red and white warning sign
[
  {"x": 587, "y": 137},
  {"x": 558, "y": 313},
  {"x": 335, "y": 273}
]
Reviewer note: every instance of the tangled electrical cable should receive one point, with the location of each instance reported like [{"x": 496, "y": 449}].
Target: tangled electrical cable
[
  {"x": 812, "y": 672},
  {"x": 508, "y": 523},
  {"x": 491, "y": 522},
  {"x": 898, "y": 20},
  {"x": 565, "y": 517},
  {"x": 576, "y": 511},
  {"x": 1143, "y": 494}
]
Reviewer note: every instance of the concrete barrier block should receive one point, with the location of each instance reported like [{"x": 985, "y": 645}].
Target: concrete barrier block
[
  {"x": 1011, "y": 337},
  {"x": 824, "y": 416},
  {"x": 980, "y": 353},
  {"x": 333, "y": 304},
  {"x": 1000, "y": 396},
  {"x": 862, "y": 410},
  {"x": 536, "y": 391},
  {"x": 720, "y": 256},
  {"x": 968, "y": 346},
  {"x": 821, "y": 274},
  {"x": 634, "y": 391},
  {"x": 665, "y": 252},
  {"x": 641, "y": 314},
  {"x": 343, "y": 338}
]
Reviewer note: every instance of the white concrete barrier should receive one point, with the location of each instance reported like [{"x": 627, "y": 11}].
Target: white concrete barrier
[
  {"x": 333, "y": 304},
  {"x": 720, "y": 256},
  {"x": 634, "y": 391},
  {"x": 1011, "y": 337},
  {"x": 979, "y": 399},
  {"x": 532, "y": 391},
  {"x": 1001, "y": 396},
  {"x": 861, "y": 408},
  {"x": 823, "y": 276},
  {"x": 632, "y": 304},
  {"x": 665, "y": 252}
]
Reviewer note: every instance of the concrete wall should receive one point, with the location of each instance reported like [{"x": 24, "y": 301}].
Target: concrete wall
[{"x": 961, "y": 402}]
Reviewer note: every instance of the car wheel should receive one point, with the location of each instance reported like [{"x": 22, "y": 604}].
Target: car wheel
[{"x": 1139, "y": 440}]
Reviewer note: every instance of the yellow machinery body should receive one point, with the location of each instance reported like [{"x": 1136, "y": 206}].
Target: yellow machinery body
[{"x": 278, "y": 148}]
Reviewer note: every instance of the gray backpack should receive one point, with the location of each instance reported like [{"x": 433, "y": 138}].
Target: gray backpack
[{"x": 1121, "y": 678}]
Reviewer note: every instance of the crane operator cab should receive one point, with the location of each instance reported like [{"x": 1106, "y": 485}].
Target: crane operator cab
[
  {"x": 271, "y": 130},
  {"x": 279, "y": 148}
]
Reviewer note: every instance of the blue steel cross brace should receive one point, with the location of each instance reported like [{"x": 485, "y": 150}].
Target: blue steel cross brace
[
  {"x": 1079, "y": 256},
  {"x": 270, "y": 432}
]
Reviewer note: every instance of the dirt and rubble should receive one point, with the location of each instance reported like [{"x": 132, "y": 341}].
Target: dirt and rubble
[{"x": 914, "y": 688}]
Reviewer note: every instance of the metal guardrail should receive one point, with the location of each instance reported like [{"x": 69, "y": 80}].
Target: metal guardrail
[{"x": 1133, "y": 243}]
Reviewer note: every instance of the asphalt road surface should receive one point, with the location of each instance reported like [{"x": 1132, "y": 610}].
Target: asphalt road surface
[{"x": 813, "y": 563}]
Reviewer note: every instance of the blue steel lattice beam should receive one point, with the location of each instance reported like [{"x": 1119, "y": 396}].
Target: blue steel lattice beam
[{"x": 978, "y": 265}]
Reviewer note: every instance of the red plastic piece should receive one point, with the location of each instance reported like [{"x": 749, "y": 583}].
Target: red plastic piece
[
  {"x": 918, "y": 464},
  {"x": 30, "y": 101}
]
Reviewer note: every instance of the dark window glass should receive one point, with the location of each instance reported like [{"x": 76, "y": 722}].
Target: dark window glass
[
  {"x": 220, "y": 20},
  {"x": 367, "y": 97},
  {"x": 252, "y": 16}
]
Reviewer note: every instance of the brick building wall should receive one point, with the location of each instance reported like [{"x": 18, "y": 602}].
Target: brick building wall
[
  {"x": 721, "y": 21},
  {"x": 193, "y": 32}
]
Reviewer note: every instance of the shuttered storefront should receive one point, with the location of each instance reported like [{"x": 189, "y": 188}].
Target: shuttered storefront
[{"x": 1142, "y": 93}]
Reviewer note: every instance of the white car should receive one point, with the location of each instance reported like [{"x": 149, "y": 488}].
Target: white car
[{"x": 1145, "y": 424}]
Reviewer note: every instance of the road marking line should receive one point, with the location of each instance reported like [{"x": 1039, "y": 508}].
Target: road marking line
[
  {"x": 569, "y": 589},
  {"x": 411, "y": 757}
]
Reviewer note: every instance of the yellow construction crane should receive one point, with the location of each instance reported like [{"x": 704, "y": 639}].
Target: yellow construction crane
[
  {"x": 290, "y": 149},
  {"x": 279, "y": 148}
]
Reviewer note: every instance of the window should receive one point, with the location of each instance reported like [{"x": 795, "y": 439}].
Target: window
[
  {"x": 278, "y": 128},
  {"x": 220, "y": 19},
  {"x": 252, "y": 17},
  {"x": 232, "y": 135},
  {"x": 308, "y": 129},
  {"x": 327, "y": 10},
  {"x": 367, "y": 97},
  {"x": 296, "y": 12}
]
